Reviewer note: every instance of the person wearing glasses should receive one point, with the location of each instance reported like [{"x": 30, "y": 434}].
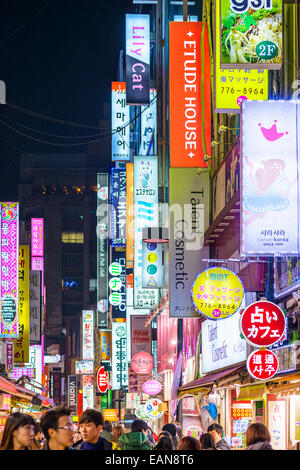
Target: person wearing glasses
[{"x": 58, "y": 429}]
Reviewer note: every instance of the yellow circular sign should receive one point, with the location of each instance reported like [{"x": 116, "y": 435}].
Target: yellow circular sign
[
  {"x": 152, "y": 257},
  {"x": 217, "y": 293}
]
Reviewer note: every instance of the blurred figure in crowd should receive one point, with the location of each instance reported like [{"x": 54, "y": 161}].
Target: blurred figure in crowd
[
  {"x": 171, "y": 428},
  {"x": 216, "y": 432},
  {"x": 206, "y": 442},
  {"x": 106, "y": 432},
  {"x": 18, "y": 433},
  {"x": 77, "y": 439},
  {"x": 90, "y": 427},
  {"x": 188, "y": 443},
  {"x": 137, "y": 439},
  {"x": 58, "y": 428},
  {"x": 117, "y": 432},
  {"x": 164, "y": 443},
  {"x": 38, "y": 437},
  {"x": 258, "y": 437}
]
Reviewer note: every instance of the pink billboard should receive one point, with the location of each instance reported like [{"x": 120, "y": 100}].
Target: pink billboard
[
  {"x": 37, "y": 237},
  {"x": 9, "y": 222},
  {"x": 166, "y": 341}
]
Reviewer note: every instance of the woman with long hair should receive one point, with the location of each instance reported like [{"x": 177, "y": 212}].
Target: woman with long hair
[
  {"x": 117, "y": 432},
  {"x": 164, "y": 443},
  {"x": 18, "y": 432},
  {"x": 188, "y": 443},
  {"x": 258, "y": 437},
  {"x": 207, "y": 442}
]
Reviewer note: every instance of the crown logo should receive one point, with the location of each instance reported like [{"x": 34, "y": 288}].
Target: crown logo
[{"x": 271, "y": 134}]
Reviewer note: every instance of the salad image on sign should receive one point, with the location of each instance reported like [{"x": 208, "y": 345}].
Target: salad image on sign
[{"x": 251, "y": 33}]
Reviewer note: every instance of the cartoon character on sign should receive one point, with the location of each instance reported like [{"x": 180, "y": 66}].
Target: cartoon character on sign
[{"x": 145, "y": 174}]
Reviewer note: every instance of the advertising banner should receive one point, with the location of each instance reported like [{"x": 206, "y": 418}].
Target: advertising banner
[
  {"x": 37, "y": 237},
  {"x": 145, "y": 215},
  {"x": 9, "y": 317},
  {"x": 118, "y": 213},
  {"x": 137, "y": 59},
  {"x": 148, "y": 126},
  {"x": 105, "y": 346},
  {"x": 87, "y": 392},
  {"x": 190, "y": 106},
  {"x": 270, "y": 179},
  {"x": 120, "y": 118},
  {"x": 102, "y": 250},
  {"x": 141, "y": 336},
  {"x": 117, "y": 283},
  {"x": 189, "y": 218},
  {"x": 21, "y": 345},
  {"x": 130, "y": 216},
  {"x": 35, "y": 305},
  {"x": 88, "y": 334},
  {"x": 119, "y": 367},
  {"x": 286, "y": 276},
  {"x": 72, "y": 393},
  {"x": 251, "y": 34},
  {"x": 84, "y": 367},
  {"x": 9, "y": 356},
  {"x": 277, "y": 416},
  {"x": 56, "y": 385},
  {"x": 234, "y": 85}
]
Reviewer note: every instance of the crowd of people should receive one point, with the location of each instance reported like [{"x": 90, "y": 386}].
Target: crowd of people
[{"x": 56, "y": 431}]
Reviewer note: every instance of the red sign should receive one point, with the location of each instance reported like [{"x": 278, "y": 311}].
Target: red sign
[
  {"x": 102, "y": 380},
  {"x": 190, "y": 114},
  {"x": 262, "y": 323},
  {"x": 142, "y": 363},
  {"x": 262, "y": 364}
]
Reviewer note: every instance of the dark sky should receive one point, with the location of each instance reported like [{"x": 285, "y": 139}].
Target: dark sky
[{"x": 57, "y": 58}]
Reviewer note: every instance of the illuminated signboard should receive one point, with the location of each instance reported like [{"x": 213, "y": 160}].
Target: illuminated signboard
[
  {"x": 73, "y": 393},
  {"x": 120, "y": 117},
  {"x": 270, "y": 180},
  {"x": 117, "y": 283},
  {"x": 87, "y": 334},
  {"x": 37, "y": 237},
  {"x": 148, "y": 126},
  {"x": 119, "y": 366},
  {"x": 251, "y": 34},
  {"x": 9, "y": 319},
  {"x": 84, "y": 367},
  {"x": 35, "y": 291},
  {"x": 102, "y": 250},
  {"x": 217, "y": 293},
  {"x": 21, "y": 345},
  {"x": 130, "y": 216},
  {"x": 137, "y": 59},
  {"x": 152, "y": 273},
  {"x": 190, "y": 97},
  {"x": 234, "y": 85},
  {"x": 87, "y": 392},
  {"x": 145, "y": 215},
  {"x": 105, "y": 346},
  {"x": 118, "y": 213},
  {"x": 286, "y": 276}
]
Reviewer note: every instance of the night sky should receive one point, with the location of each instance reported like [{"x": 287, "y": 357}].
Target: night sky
[{"x": 57, "y": 58}]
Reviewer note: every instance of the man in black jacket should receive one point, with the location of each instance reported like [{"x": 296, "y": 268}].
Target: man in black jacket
[
  {"x": 90, "y": 426},
  {"x": 216, "y": 432}
]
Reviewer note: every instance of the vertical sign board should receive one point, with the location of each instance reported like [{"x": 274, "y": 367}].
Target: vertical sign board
[
  {"x": 251, "y": 34},
  {"x": 120, "y": 117},
  {"x": 189, "y": 218},
  {"x": 130, "y": 216},
  {"x": 9, "y": 261},
  {"x": 145, "y": 215},
  {"x": 88, "y": 335},
  {"x": 87, "y": 391},
  {"x": 72, "y": 393},
  {"x": 232, "y": 86},
  {"x": 21, "y": 345},
  {"x": 118, "y": 207},
  {"x": 56, "y": 385},
  {"x": 137, "y": 59},
  {"x": 119, "y": 367},
  {"x": 37, "y": 237},
  {"x": 148, "y": 126},
  {"x": 270, "y": 179},
  {"x": 102, "y": 250},
  {"x": 189, "y": 95},
  {"x": 152, "y": 273},
  {"x": 141, "y": 336},
  {"x": 105, "y": 346},
  {"x": 277, "y": 411},
  {"x": 35, "y": 307},
  {"x": 35, "y": 362},
  {"x": 117, "y": 283}
]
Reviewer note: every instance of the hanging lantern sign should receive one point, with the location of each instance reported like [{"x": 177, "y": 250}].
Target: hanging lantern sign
[
  {"x": 262, "y": 364},
  {"x": 217, "y": 293},
  {"x": 142, "y": 363},
  {"x": 152, "y": 387}
]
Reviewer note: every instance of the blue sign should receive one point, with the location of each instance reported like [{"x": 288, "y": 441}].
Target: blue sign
[{"x": 118, "y": 213}]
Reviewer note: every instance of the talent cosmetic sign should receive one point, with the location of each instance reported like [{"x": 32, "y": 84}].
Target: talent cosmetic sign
[{"x": 270, "y": 178}]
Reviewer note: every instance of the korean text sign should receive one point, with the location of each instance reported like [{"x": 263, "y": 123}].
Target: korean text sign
[
  {"x": 9, "y": 319},
  {"x": 117, "y": 283},
  {"x": 118, "y": 207},
  {"x": 21, "y": 345},
  {"x": 251, "y": 33},
  {"x": 37, "y": 237},
  {"x": 35, "y": 291},
  {"x": 119, "y": 356},
  {"x": 234, "y": 85},
  {"x": 262, "y": 364},
  {"x": 137, "y": 59},
  {"x": 130, "y": 216},
  {"x": 270, "y": 178},
  {"x": 88, "y": 334},
  {"x": 148, "y": 126},
  {"x": 120, "y": 145},
  {"x": 189, "y": 95}
]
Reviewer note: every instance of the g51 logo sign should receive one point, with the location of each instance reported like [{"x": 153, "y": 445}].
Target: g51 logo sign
[{"x": 244, "y": 5}]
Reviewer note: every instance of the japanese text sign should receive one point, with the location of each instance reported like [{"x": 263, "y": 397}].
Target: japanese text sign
[
  {"x": 120, "y": 145},
  {"x": 262, "y": 364},
  {"x": 117, "y": 283},
  {"x": 262, "y": 323},
  {"x": 21, "y": 345},
  {"x": 251, "y": 33},
  {"x": 118, "y": 213},
  {"x": 9, "y": 322},
  {"x": 189, "y": 94},
  {"x": 88, "y": 334},
  {"x": 105, "y": 346},
  {"x": 130, "y": 216},
  {"x": 37, "y": 237},
  {"x": 87, "y": 392},
  {"x": 84, "y": 367},
  {"x": 234, "y": 85},
  {"x": 217, "y": 293}
]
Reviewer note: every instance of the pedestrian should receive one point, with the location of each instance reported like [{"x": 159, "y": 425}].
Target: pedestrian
[
  {"x": 18, "y": 433},
  {"x": 164, "y": 443},
  {"x": 188, "y": 443},
  {"x": 178, "y": 429},
  {"x": 258, "y": 437},
  {"x": 90, "y": 425},
  {"x": 150, "y": 436},
  {"x": 38, "y": 437},
  {"x": 77, "y": 439},
  {"x": 207, "y": 442},
  {"x": 164, "y": 433},
  {"x": 106, "y": 432},
  {"x": 117, "y": 432},
  {"x": 171, "y": 428},
  {"x": 216, "y": 432},
  {"x": 58, "y": 429},
  {"x": 137, "y": 439}
]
